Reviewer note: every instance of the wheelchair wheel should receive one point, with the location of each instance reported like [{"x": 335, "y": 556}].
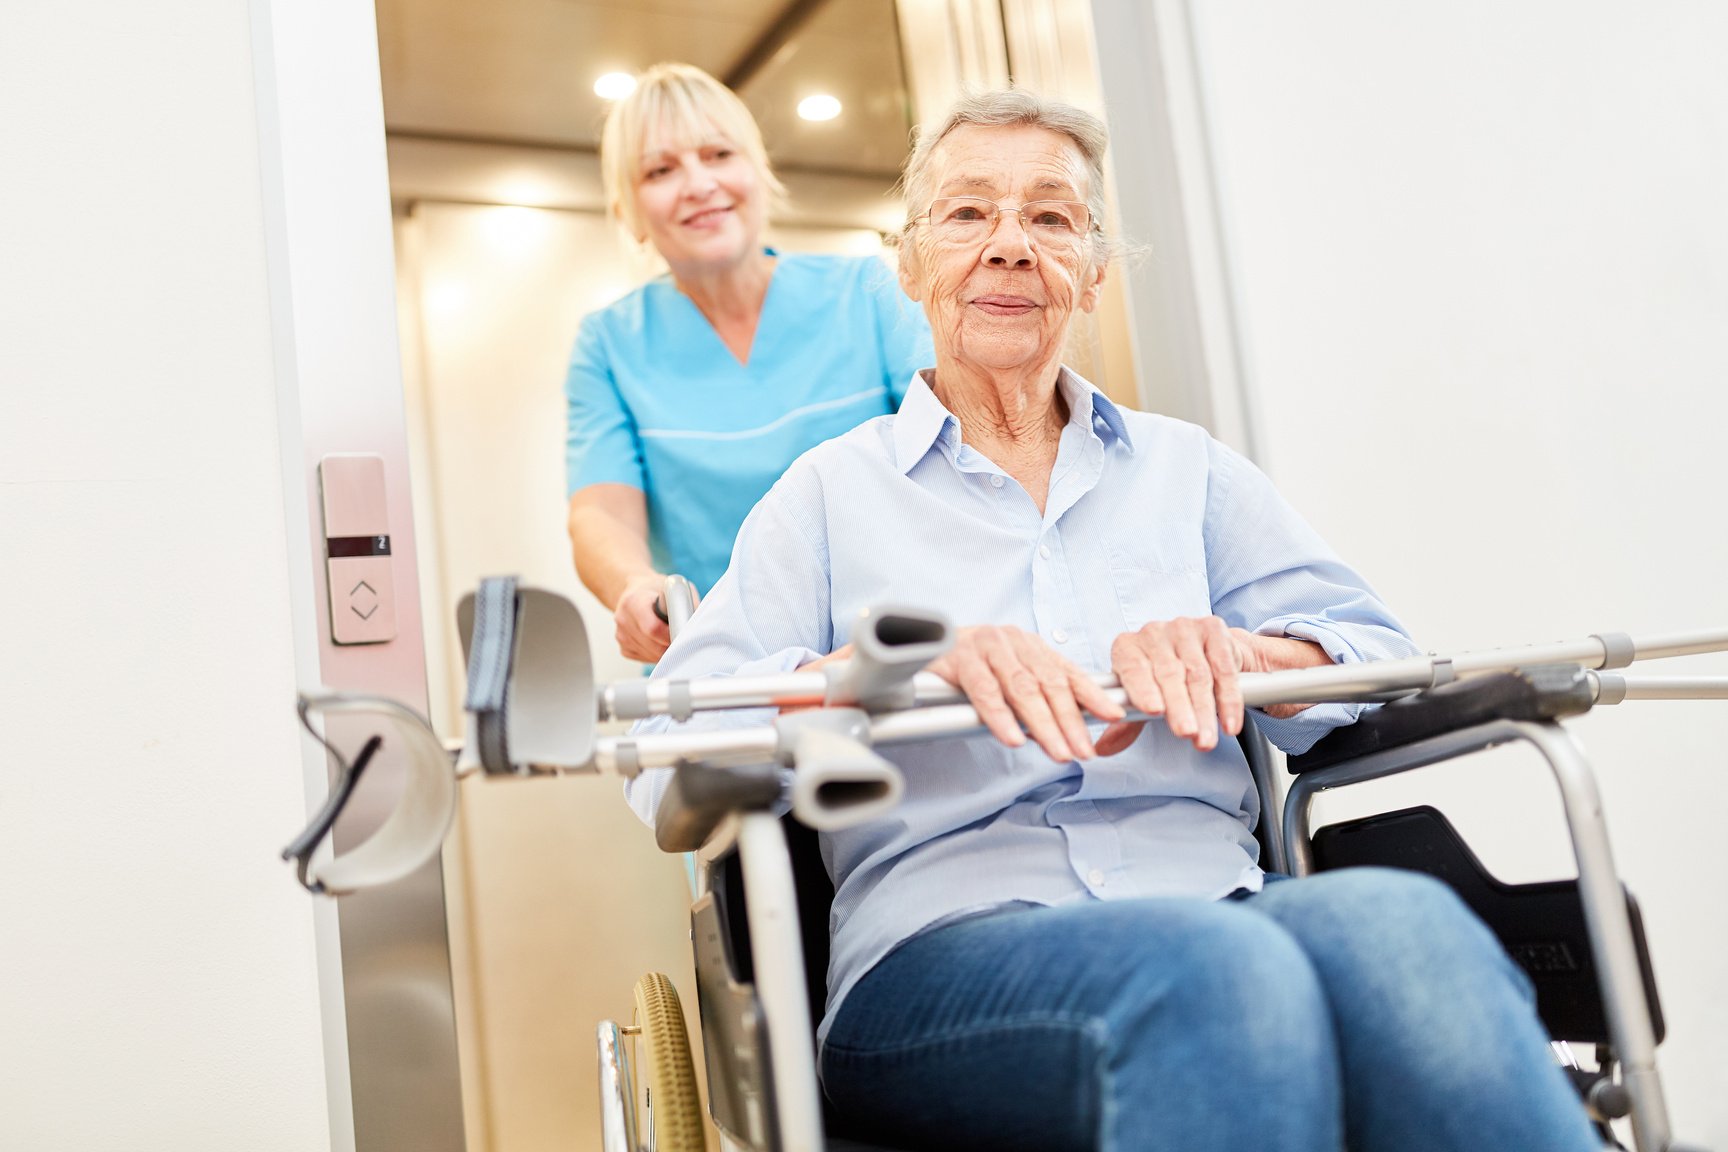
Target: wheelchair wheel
[{"x": 667, "y": 1105}]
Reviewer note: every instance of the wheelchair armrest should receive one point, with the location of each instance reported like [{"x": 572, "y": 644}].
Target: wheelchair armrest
[
  {"x": 1541, "y": 692},
  {"x": 702, "y": 795}
]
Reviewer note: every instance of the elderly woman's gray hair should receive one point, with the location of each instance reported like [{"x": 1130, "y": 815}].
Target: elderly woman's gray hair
[{"x": 1004, "y": 108}]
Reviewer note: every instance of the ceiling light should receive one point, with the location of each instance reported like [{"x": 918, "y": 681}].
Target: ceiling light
[
  {"x": 614, "y": 85},
  {"x": 819, "y": 107}
]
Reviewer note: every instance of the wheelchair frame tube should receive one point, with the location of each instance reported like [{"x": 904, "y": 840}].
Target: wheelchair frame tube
[
  {"x": 617, "y": 1089},
  {"x": 778, "y": 950},
  {"x": 1605, "y": 916}
]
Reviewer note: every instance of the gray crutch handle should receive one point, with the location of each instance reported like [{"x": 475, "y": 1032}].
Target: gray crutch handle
[{"x": 890, "y": 645}]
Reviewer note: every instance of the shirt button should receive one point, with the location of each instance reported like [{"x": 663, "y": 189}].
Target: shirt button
[
  {"x": 1059, "y": 636},
  {"x": 996, "y": 481},
  {"x": 1096, "y": 878},
  {"x": 1044, "y": 551}
]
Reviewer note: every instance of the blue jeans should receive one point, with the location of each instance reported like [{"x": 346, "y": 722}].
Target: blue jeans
[{"x": 1365, "y": 1008}]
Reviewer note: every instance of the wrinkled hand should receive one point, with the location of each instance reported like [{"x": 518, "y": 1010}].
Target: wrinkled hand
[
  {"x": 1013, "y": 678},
  {"x": 642, "y": 635},
  {"x": 1187, "y": 670}
]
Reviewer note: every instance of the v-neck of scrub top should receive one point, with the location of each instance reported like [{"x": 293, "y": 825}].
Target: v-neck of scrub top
[{"x": 768, "y": 299}]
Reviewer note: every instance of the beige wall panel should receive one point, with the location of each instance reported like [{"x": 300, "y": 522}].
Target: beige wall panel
[
  {"x": 559, "y": 899},
  {"x": 949, "y": 45},
  {"x": 1050, "y": 49}
]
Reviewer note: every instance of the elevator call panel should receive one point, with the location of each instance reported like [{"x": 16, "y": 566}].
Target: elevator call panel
[{"x": 357, "y": 549}]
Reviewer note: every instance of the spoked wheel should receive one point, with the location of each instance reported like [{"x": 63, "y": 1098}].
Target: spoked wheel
[{"x": 668, "y": 1109}]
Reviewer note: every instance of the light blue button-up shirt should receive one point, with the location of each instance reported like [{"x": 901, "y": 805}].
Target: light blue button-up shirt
[{"x": 1147, "y": 518}]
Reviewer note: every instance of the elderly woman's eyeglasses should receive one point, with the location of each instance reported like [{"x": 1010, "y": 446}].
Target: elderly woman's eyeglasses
[{"x": 959, "y": 218}]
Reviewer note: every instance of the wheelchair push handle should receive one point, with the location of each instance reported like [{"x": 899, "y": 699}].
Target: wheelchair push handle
[{"x": 677, "y": 600}]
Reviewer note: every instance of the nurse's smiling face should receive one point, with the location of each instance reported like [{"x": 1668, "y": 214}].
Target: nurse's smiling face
[
  {"x": 700, "y": 203},
  {"x": 1000, "y": 295}
]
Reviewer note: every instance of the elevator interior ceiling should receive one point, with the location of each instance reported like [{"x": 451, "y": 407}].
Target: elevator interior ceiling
[{"x": 523, "y": 71}]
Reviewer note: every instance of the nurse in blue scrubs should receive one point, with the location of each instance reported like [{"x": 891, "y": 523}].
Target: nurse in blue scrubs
[{"x": 690, "y": 396}]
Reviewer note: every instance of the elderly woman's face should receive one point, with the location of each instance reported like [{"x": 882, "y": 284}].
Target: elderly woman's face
[
  {"x": 701, "y": 202},
  {"x": 1002, "y": 296}
]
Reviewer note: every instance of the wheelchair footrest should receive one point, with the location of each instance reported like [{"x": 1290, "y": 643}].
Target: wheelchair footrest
[{"x": 1540, "y": 925}]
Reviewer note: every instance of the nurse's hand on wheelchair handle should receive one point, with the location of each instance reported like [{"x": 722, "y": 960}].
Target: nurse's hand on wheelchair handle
[
  {"x": 1014, "y": 679},
  {"x": 641, "y": 631}
]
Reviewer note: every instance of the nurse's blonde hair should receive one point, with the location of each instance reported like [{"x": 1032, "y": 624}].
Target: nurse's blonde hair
[{"x": 692, "y": 108}]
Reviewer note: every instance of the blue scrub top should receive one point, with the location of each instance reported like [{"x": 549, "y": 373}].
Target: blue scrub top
[{"x": 657, "y": 401}]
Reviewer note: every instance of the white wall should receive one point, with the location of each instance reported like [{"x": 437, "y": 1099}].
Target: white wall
[
  {"x": 1480, "y": 258},
  {"x": 159, "y": 986}
]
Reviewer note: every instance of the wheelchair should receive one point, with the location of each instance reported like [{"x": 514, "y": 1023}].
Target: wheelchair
[
  {"x": 760, "y": 920},
  {"x": 759, "y": 926}
]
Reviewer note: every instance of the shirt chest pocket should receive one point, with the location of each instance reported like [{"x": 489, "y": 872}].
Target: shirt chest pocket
[{"x": 1151, "y": 587}]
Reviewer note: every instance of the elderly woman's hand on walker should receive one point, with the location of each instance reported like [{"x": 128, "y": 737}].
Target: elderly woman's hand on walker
[
  {"x": 1186, "y": 671},
  {"x": 1014, "y": 679}
]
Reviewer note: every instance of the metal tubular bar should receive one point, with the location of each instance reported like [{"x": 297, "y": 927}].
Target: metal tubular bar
[
  {"x": 1363, "y": 681},
  {"x": 778, "y": 949},
  {"x": 1672, "y": 688},
  {"x": 1258, "y": 751},
  {"x": 630, "y": 754},
  {"x": 1681, "y": 644},
  {"x": 785, "y": 690},
  {"x": 1605, "y": 914},
  {"x": 1298, "y": 849},
  {"x": 1610, "y": 927},
  {"x": 617, "y": 1090}
]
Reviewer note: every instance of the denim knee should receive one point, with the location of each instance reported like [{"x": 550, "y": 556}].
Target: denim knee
[
  {"x": 1235, "y": 992},
  {"x": 1400, "y": 948},
  {"x": 1419, "y": 913}
]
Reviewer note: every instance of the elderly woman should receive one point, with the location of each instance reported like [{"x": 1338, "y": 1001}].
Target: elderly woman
[
  {"x": 1064, "y": 942},
  {"x": 690, "y": 395}
]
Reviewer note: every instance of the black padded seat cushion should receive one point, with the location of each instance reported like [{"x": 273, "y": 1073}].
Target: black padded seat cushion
[{"x": 1542, "y": 692}]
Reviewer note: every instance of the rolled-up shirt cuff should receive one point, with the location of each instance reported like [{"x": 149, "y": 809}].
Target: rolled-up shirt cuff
[{"x": 1343, "y": 644}]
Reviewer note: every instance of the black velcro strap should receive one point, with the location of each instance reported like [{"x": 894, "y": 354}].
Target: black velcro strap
[
  {"x": 1540, "y": 692},
  {"x": 491, "y": 651}
]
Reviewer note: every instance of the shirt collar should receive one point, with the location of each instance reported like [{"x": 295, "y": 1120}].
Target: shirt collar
[
  {"x": 1092, "y": 410},
  {"x": 922, "y": 420}
]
